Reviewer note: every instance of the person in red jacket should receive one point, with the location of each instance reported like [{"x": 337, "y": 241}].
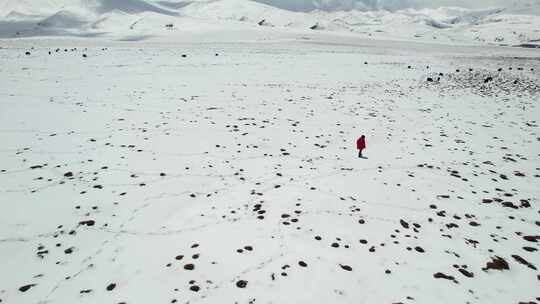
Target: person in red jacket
[{"x": 361, "y": 145}]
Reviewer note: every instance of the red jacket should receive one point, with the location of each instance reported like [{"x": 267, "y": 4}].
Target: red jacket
[{"x": 361, "y": 143}]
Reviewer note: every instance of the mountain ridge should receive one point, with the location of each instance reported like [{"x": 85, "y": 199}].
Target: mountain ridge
[{"x": 505, "y": 26}]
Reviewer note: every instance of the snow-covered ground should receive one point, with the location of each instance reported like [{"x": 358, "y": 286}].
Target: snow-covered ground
[
  {"x": 215, "y": 162},
  {"x": 133, "y": 165}
]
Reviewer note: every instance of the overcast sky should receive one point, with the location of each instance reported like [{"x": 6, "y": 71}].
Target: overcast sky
[{"x": 307, "y": 5}]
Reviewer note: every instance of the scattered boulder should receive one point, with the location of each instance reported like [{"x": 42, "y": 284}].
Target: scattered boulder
[
  {"x": 404, "y": 224},
  {"x": 440, "y": 275},
  {"x": 241, "y": 284},
  {"x": 25, "y": 288},
  {"x": 466, "y": 273},
  {"x": 497, "y": 263},
  {"x": 88, "y": 223},
  {"x": 316, "y": 26},
  {"x": 111, "y": 286},
  {"x": 532, "y": 238},
  {"x": 523, "y": 261}
]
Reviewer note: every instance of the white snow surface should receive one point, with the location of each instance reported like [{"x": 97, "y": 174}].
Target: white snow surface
[
  {"x": 214, "y": 160},
  {"x": 179, "y": 178}
]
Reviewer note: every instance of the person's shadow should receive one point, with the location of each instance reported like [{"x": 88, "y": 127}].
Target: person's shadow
[{"x": 364, "y": 157}]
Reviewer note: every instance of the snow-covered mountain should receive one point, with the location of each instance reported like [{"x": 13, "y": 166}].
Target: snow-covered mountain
[{"x": 515, "y": 24}]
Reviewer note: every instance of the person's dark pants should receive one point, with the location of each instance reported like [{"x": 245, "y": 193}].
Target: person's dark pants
[{"x": 360, "y": 152}]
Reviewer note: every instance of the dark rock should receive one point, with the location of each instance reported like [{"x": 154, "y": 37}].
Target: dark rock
[
  {"x": 497, "y": 263},
  {"x": 241, "y": 284},
  {"x": 509, "y": 205},
  {"x": 532, "y": 238},
  {"x": 523, "y": 261},
  {"x": 88, "y": 223},
  {"x": 440, "y": 275},
  {"x": 530, "y": 249},
  {"x": 404, "y": 224},
  {"x": 466, "y": 273},
  {"x": 26, "y": 287}
]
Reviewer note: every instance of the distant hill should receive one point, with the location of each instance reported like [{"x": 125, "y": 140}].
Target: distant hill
[{"x": 516, "y": 23}]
